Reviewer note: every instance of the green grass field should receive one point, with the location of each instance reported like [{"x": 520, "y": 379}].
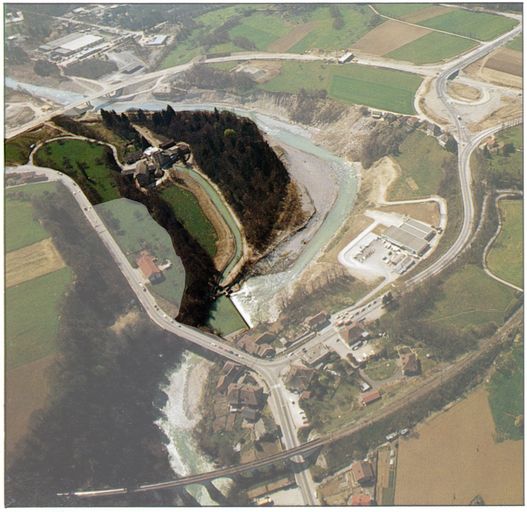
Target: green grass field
[
  {"x": 21, "y": 228},
  {"x": 399, "y": 10},
  {"x": 357, "y": 21},
  {"x": 134, "y": 229},
  {"x": 186, "y": 207},
  {"x": 58, "y": 154},
  {"x": 469, "y": 297},
  {"x": 420, "y": 160},
  {"x": 478, "y": 25},
  {"x": 224, "y": 317},
  {"x": 505, "y": 259},
  {"x": 32, "y": 317},
  {"x": 351, "y": 84},
  {"x": 260, "y": 28},
  {"x": 506, "y": 392},
  {"x": 432, "y": 47},
  {"x": 509, "y": 169},
  {"x": 516, "y": 43}
]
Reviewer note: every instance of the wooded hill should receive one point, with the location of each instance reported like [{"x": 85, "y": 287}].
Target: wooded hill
[{"x": 232, "y": 152}]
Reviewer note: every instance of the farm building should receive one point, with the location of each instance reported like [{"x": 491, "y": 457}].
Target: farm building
[
  {"x": 362, "y": 472},
  {"x": 348, "y": 56},
  {"x": 148, "y": 267},
  {"x": 370, "y": 397}
]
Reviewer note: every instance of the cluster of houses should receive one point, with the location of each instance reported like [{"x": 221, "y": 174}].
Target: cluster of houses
[
  {"x": 237, "y": 396},
  {"x": 257, "y": 344}
]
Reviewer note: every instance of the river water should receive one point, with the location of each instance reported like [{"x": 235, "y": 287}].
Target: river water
[{"x": 178, "y": 423}]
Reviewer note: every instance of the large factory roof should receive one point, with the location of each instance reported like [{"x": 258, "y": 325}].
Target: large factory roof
[
  {"x": 406, "y": 240},
  {"x": 71, "y": 42}
]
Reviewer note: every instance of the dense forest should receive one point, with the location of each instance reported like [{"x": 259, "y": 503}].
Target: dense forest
[
  {"x": 98, "y": 429},
  {"x": 233, "y": 154}
]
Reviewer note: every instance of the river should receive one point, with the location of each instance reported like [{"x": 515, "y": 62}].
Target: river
[{"x": 180, "y": 416}]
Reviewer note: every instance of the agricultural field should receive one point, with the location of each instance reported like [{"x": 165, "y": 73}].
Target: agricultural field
[
  {"x": 420, "y": 161},
  {"x": 188, "y": 211},
  {"x": 30, "y": 337},
  {"x": 352, "y": 84},
  {"x": 224, "y": 317},
  {"x": 399, "y": 11},
  {"x": 505, "y": 258},
  {"x": 469, "y": 297},
  {"x": 477, "y": 25},
  {"x": 432, "y": 47},
  {"x": 454, "y": 457},
  {"x": 516, "y": 43},
  {"x": 69, "y": 155},
  {"x": 134, "y": 230},
  {"x": 21, "y": 228},
  {"x": 506, "y": 393},
  {"x": 506, "y": 60}
]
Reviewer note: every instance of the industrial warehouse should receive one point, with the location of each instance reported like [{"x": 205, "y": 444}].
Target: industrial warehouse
[{"x": 412, "y": 236}]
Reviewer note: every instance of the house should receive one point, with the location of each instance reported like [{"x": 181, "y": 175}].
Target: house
[
  {"x": 299, "y": 378},
  {"x": 239, "y": 395},
  {"x": 362, "y": 472},
  {"x": 361, "y": 500},
  {"x": 352, "y": 334},
  {"x": 148, "y": 268},
  {"x": 370, "y": 397},
  {"x": 410, "y": 364},
  {"x": 317, "y": 321},
  {"x": 255, "y": 346},
  {"x": 230, "y": 372}
]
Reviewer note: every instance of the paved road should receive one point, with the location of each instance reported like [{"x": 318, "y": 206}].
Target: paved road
[
  {"x": 426, "y": 387},
  {"x": 268, "y": 370}
]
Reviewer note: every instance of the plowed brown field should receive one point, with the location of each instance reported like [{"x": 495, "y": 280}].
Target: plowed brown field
[
  {"x": 453, "y": 457},
  {"x": 426, "y": 13},
  {"x": 292, "y": 37},
  {"x": 506, "y": 61},
  {"x": 388, "y": 37}
]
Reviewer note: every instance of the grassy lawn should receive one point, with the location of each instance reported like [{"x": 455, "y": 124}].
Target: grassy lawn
[
  {"x": 224, "y": 317},
  {"x": 469, "y": 297},
  {"x": 66, "y": 155},
  {"x": 260, "y": 28},
  {"x": 334, "y": 409},
  {"x": 357, "y": 21},
  {"x": 381, "y": 369},
  {"x": 432, "y": 47},
  {"x": 478, "y": 25},
  {"x": 187, "y": 210},
  {"x": 180, "y": 54},
  {"x": 21, "y": 228},
  {"x": 506, "y": 392},
  {"x": 32, "y": 317},
  {"x": 134, "y": 229},
  {"x": 351, "y": 84},
  {"x": 505, "y": 259},
  {"x": 420, "y": 160},
  {"x": 399, "y": 10},
  {"x": 18, "y": 148},
  {"x": 516, "y": 43}
]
